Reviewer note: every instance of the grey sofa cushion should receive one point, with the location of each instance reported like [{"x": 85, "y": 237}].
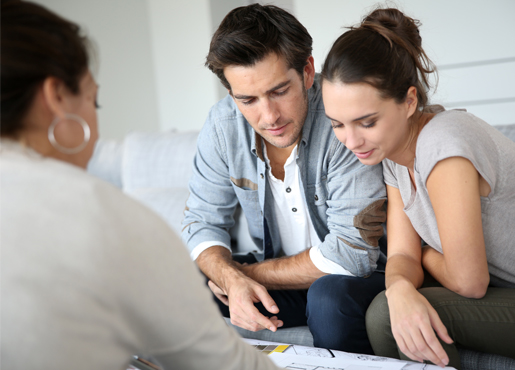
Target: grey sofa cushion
[
  {"x": 106, "y": 161},
  {"x": 153, "y": 168},
  {"x": 169, "y": 203},
  {"x": 472, "y": 360},
  {"x": 508, "y": 130},
  {"x": 299, "y": 335},
  {"x": 158, "y": 159}
]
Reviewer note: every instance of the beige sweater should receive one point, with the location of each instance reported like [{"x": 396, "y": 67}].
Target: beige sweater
[{"x": 90, "y": 277}]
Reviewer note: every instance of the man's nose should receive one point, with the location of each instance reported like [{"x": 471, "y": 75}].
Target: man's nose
[{"x": 271, "y": 112}]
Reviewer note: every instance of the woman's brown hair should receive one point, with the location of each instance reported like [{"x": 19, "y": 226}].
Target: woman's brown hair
[
  {"x": 385, "y": 51},
  {"x": 36, "y": 44}
]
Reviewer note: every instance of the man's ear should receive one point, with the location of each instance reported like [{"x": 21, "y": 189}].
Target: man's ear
[
  {"x": 54, "y": 96},
  {"x": 411, "y": 101},
  {"x": 309, "y": 73}
]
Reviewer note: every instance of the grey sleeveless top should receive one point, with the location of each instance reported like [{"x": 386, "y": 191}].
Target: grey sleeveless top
[{"x": 461, "y": 134}]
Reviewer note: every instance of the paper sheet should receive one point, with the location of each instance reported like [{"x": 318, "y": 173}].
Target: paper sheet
[
  {"x": 335, "y": 359},
  {"x": 289, "y": 361}
]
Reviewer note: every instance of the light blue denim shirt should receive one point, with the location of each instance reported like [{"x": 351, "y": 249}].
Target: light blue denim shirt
[{"x": 346, "y": 199}]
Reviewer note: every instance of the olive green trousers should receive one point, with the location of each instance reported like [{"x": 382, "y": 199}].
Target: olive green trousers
[{"x": 484, "y": 325}]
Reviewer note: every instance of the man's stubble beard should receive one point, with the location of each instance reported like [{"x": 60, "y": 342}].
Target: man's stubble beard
[{"x": 296, "y": 134}]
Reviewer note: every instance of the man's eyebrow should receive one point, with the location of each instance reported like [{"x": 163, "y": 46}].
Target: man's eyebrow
[
  {"x": 276, "y": 87},
  {"x": 355, "y": 119}
]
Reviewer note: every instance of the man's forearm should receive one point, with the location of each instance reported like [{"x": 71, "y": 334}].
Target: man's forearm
[
  {"x": 294, "y": 272},
  {"x": 239, "y": 291},
  {"x": 217, "y": 264}
]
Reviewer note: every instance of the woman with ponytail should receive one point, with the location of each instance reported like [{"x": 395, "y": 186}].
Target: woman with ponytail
[{"x": 451, "y": 197}]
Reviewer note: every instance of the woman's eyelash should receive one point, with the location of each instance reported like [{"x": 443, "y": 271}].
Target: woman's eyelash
[
  {"x": 371, "y": 124},
  {"x": 336, "y": 124}
]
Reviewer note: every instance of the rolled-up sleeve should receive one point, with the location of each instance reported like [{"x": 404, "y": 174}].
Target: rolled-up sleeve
[
  {"x": 356, "y": 211},
  {"x": 210, "y": 207}
]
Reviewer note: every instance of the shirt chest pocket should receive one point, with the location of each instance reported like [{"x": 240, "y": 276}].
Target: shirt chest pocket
[{"x": 248, "y": 197}]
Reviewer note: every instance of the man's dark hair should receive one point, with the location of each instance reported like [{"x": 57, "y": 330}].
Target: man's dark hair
[{"x": 249, "y": 33}]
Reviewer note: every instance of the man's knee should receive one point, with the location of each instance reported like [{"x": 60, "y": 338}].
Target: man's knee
[
  {"x": 355, "y": 287},
  {"x": 336, "y": 311},
  {"x": 344, "y": 294},
  {"x": 329, "y": 292}
]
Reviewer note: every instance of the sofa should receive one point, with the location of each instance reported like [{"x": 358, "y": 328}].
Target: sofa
[{"x": 154, "y": 168}]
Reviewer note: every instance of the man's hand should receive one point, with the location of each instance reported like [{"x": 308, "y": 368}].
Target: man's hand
[
  {"x": 241, "y": 298},
  {"x": 238, "y": 291},
  {"x": 219, "y": 293}
]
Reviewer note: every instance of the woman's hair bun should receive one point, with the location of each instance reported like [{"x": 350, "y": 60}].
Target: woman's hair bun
[
  {"x": 395, "y": 21},
  {"x": 385, "y": 51}
]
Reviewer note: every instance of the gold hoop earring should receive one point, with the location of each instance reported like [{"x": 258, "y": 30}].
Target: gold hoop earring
[{"x": 63, "y": 149}]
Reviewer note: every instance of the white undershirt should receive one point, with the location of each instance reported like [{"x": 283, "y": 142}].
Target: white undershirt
[{"x": 297, "y": 232}]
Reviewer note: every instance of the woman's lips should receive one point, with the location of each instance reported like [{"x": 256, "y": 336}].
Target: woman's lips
[{"x": 364, "y": 155}]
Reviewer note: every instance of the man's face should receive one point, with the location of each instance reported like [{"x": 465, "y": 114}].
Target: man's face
[{"x": 272, "y": 97}]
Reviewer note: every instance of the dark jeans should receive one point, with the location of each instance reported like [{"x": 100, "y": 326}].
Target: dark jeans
[{"x": 333, "y": 307}]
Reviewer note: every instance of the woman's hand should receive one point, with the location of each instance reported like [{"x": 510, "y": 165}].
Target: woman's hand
[{"x": 414, "y": 323}]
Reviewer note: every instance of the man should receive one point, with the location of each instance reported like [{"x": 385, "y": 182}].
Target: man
[{"x": 314, "y": 212}]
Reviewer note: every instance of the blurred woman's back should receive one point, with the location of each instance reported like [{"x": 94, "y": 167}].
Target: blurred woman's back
[{"x": 89, "y": 276}]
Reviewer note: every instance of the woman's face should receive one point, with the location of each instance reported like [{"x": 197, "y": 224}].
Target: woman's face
[
  {"x": 70, "y": 133},
  {"x": 373, "y": 128}
]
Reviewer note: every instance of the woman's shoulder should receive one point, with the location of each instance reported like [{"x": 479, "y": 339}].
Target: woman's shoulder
[
  {"x": 448, "y": 122},
  {"x": 453, "y": 131},
  {"x": 457, "y": 133}
]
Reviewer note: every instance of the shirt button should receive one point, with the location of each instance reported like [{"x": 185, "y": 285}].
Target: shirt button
[
  {"x": 262, "y": 176},
  {"x": 288, "y": 189},
  {"x": 316, "y": 197},
  {"x": 294, "y": 209}
]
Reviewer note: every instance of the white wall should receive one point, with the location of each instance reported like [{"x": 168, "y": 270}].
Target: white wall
[
  {"x": 120, "y": 28},
  {"x": 152, "y": 54},
  {"x": 180, "y": 36}
]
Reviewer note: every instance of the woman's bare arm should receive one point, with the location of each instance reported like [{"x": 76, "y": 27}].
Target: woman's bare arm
[{"x": 454, "y": 190}]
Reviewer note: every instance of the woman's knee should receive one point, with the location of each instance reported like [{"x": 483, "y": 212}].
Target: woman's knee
[{"x": 378, "y": 316}]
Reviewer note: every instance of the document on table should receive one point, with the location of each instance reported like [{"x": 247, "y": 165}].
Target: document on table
[
  {"x": 289, "y": 361},
  {"x": 310, "y": 358}
]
